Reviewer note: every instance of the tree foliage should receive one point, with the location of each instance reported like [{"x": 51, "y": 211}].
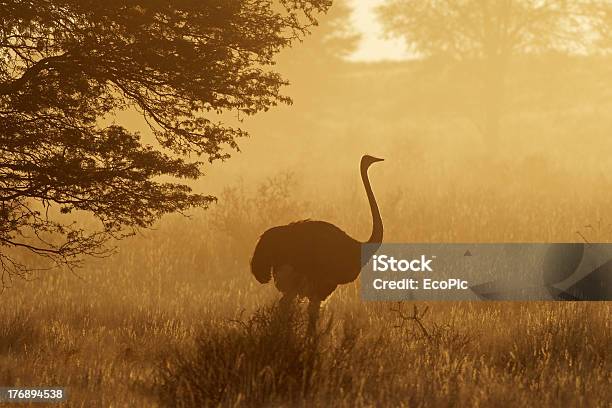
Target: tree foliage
[
  {"x": 489, "y": 28},
  {"x": 67, "y": 64},
  {"x": 491, "y": 32},
  {"x": 334, "y": 37}
]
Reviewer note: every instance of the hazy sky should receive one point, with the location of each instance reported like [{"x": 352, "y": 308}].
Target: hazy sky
[{"x": 373, "y": 45}]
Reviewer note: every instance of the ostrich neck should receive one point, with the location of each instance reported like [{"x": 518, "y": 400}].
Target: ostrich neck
[{"x": 377, "y": 225}]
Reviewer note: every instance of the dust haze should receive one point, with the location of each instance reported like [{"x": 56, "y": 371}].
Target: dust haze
[{"x": 521, "y": 155}]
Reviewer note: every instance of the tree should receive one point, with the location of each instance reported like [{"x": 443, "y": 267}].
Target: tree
[
  {"x": 66, "y": 64},
  {"x": 489, "y": 32},
  {"x": 319, "y": 59},
  {"x": 334, "y": 38},
  {"x": 599, "y": 14}
]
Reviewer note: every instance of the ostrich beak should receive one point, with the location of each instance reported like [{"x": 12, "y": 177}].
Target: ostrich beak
[{"x": 376, "y": 159}]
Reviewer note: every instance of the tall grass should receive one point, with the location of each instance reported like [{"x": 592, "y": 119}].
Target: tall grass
[{"x": 175, "y": 319}]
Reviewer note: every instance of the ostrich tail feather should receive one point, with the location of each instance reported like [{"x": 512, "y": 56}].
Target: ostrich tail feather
[{"x": 263, "y": 258}]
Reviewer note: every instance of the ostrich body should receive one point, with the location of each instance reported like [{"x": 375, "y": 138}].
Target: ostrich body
[{"x": 311, "y": 258}]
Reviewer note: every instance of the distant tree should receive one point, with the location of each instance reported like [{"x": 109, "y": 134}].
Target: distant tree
[
  {"x": 321, "y": 59},
  {"x": 489, "y": 32},
  {"x": 67, "y": 64},
  {"x": 334, "y": 36},
  {"x": 599, "y": 14}
]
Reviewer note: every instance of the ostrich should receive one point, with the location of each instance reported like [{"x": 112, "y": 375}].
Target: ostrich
[{"x": 311, "y": 258}]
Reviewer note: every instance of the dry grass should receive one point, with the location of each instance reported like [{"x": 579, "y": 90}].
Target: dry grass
[{"x": 176, "y": 320}]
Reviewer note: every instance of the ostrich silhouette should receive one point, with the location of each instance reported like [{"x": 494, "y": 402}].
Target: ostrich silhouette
[{"x": 309, "y": 259}]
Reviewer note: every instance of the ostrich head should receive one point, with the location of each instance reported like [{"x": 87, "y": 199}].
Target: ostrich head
[{"x": 367, "y": 160}]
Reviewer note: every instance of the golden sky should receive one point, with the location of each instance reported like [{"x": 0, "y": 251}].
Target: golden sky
[{"x": 374, "y": 46}]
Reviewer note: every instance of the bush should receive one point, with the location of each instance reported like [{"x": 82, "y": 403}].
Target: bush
[{"x": 263, "y": 360}]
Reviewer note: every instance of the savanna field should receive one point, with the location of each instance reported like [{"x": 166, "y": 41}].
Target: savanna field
[
  {"x": 176, "y": 319},
  {"x": 494, "y": 119}
]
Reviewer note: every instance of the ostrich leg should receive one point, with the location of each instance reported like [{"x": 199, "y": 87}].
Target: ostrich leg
[
  {"x": 313, "y": 314},
  {"x": 287, "y": 301}
]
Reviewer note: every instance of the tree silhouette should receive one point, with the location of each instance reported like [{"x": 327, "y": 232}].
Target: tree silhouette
[
  {"x": 67, "y": 64},
  {"x": 490, "y": 32},
  {"x": 333, "y": 38}
]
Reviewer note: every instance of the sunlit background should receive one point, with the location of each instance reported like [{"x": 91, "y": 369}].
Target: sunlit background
[
  {"x": 476, "y": 150},
  {"x": 366, "y": 93},
  {"x": 374, "y": 44}
]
